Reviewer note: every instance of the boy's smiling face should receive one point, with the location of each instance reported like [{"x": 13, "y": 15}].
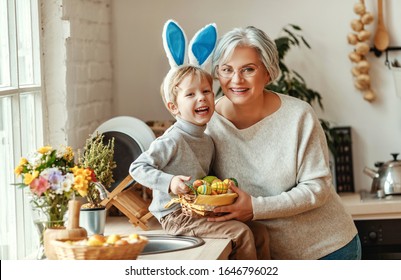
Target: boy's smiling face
[{"x": 195, "y": 100}]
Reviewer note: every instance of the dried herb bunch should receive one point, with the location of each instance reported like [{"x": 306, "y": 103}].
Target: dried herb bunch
[{"x": 99, "y": 157}]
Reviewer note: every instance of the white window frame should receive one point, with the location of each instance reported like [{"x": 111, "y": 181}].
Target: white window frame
[{"x": 21, "y": 129}]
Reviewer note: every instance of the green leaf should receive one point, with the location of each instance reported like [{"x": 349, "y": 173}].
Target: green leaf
[{"x": 305, "y": 42}]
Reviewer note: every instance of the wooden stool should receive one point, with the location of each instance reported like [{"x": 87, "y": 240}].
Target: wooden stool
[{"x": 129, "y": 202}]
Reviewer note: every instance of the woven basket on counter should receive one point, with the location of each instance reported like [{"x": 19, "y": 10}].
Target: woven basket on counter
[{"x": 67, "y": 251}]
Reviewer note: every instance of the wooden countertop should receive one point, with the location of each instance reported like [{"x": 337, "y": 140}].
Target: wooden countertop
[
  {"x": 385, "y": 208},
  {"x": 213, "y": 249}
]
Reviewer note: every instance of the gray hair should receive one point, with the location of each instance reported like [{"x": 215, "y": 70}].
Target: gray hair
[{"x": 249, "y": 37}]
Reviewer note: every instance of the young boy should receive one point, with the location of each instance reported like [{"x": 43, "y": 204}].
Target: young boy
[{"x": 184, "y": 153}]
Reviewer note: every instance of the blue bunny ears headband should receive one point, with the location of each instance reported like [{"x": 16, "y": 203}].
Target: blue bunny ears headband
[{"x": 200, "y": 48}]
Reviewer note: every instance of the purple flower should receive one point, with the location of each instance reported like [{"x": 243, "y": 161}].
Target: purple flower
[{"x": 54, "y": 176}]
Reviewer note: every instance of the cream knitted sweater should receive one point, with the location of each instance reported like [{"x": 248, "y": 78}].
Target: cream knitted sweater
[{"x": 282, "y": 162}]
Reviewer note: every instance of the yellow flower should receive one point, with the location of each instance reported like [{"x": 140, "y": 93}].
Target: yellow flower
[
  {"x": 81, "y": 185},
  {"x": 23, "y": 161},
  {"x": 82, "y": 177},
  {"x": 82, "y": 172},
  {"x": 82, "y": 191},
  {"x": 74, "y": 169},
  {"x": 68, "y": 154},
  {"x": 44, "y": 149},
  {"x": 18, "y": 170},
  {"x": 29, "y": 177}
]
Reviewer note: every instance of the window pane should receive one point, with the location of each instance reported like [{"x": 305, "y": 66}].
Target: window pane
[
  {"x": 18, "y": 237},
  {"x": 29, "y": 124},
  {"x": 8, "y": 238},
  {"x": 4, "y": 46},
  {"x": 20, "y": 121},
  {"x": 25, "y": 46}
]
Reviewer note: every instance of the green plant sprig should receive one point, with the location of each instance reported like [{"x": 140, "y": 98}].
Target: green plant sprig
[{"x": 99, "y": 156}]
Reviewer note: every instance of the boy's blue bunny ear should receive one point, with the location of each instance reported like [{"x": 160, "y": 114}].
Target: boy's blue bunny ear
[
  {"x": 202, "y": 45},
  {"x": 175, "y": 43}
]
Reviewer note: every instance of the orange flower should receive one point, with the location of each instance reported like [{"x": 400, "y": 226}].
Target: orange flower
[{"x": 82, "y": 179}]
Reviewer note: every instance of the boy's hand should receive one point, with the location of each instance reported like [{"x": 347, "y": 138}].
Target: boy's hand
[{"x": 177, "y": 184}]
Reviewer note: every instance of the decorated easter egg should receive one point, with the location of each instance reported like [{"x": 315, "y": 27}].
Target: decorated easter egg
[
  {"x": 229, "y": 183},
  {"x": 198, "y": 183},
  {"x": 204, "y": 189},
  {"x": 220, "y": 187},
  {"x": 209, "y": 179},
  {"x": 216, "y": 180}
]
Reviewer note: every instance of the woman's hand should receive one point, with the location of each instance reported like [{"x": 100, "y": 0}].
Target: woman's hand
[
  {"x": 177, "y": 184},
  {"x": 240, "y": 210}
]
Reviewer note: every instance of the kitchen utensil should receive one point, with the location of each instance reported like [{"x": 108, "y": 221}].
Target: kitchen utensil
[
  {"x": 93, "y": 220},
  {"x": 387, "y": 177},
  {"x": 73, "y": 229},
  {"x": 381, "y": 40}
]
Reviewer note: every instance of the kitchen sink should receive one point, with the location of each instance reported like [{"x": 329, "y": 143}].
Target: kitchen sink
[{"x": 164, "y": 243}]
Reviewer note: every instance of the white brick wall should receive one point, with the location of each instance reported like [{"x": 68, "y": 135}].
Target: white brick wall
[{"x": 77, "y": 69}]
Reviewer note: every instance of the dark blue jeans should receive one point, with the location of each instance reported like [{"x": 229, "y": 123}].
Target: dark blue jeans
[{"x": 351, "y": 251}]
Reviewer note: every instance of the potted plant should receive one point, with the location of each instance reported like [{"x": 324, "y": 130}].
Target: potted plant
[
  {"x": 291, "y": 83},
  {"x": 97, "y": 157}
]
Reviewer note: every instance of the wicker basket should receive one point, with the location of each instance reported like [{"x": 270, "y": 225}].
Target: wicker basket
[
  {"x": 130, "y": 251},
  {"x": 202, "y": 205}
]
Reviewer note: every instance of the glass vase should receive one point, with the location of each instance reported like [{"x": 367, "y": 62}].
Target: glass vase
[{"x": 43, "y": 221}]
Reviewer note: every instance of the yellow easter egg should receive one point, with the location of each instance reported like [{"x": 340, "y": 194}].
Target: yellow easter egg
[
  {"x": 113, "y": 238},
  {"x": 133, "y": 236},
  {"x": 96, "y": 240},
  {"x": 220, "y": 187}
]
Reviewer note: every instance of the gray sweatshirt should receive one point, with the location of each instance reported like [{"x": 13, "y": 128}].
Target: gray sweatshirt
[
  {"x": 184, "y": 149},
  {"x": 282, "y": 162}
]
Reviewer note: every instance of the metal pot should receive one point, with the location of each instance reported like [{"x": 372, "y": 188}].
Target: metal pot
[{"x": 387, "y": 178}]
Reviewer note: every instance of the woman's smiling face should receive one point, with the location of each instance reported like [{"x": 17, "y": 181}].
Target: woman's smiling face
[{"x": 240, "y": 89}]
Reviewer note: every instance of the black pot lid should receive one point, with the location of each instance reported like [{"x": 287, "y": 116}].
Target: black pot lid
[{"x": 131, "y": 137}]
